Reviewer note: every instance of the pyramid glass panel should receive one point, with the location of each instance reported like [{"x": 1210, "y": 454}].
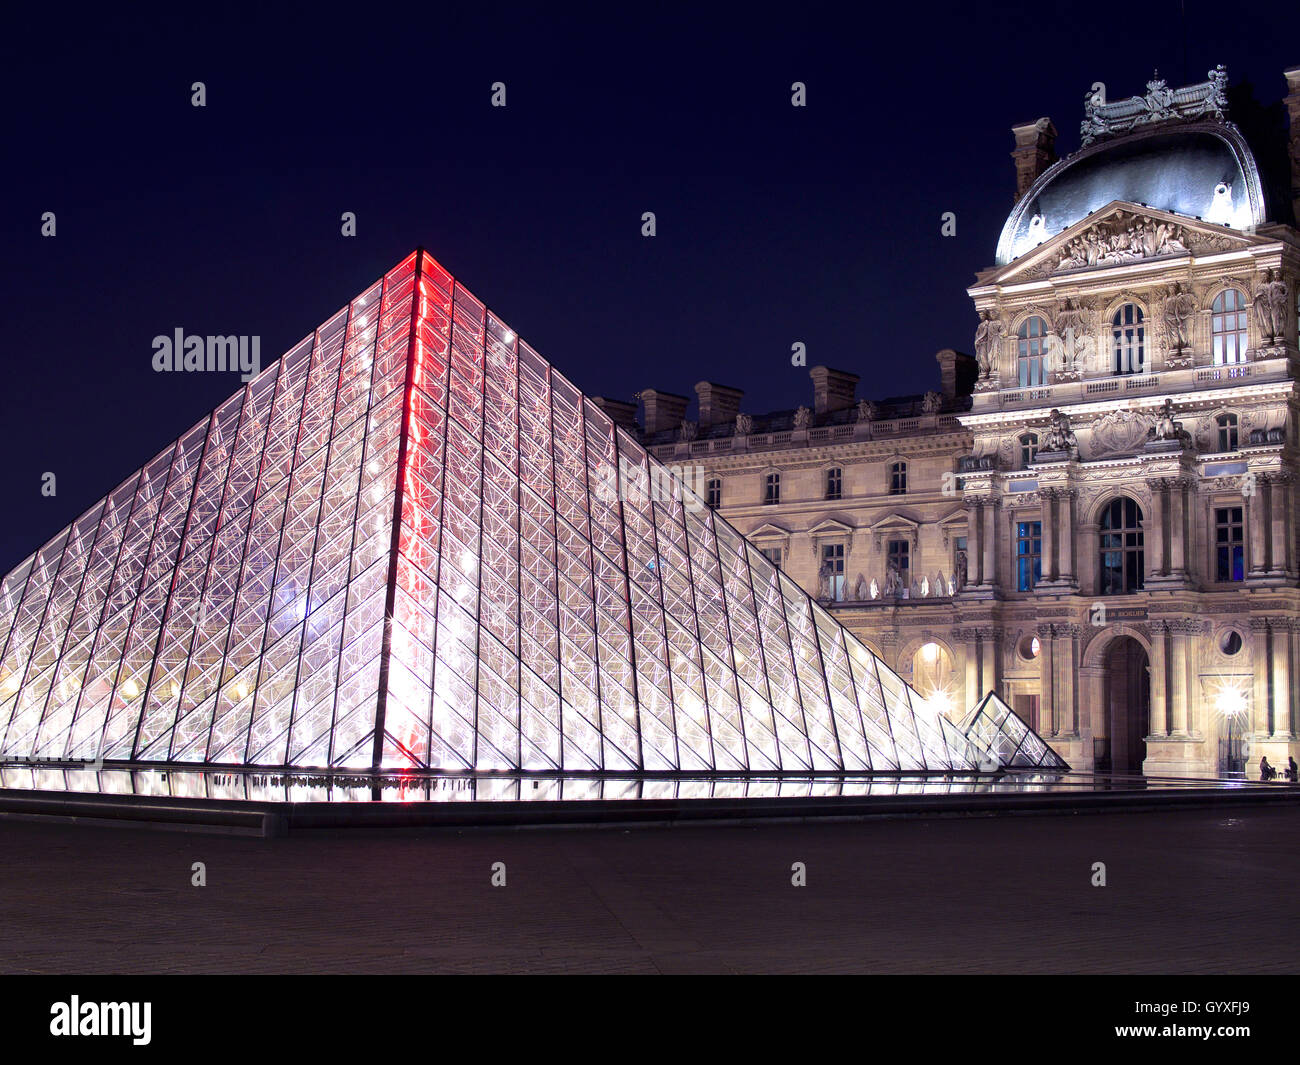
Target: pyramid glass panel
[{"x": 413, "y": 544}]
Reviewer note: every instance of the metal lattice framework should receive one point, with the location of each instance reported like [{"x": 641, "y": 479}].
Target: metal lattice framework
[{"x": 411, "y": 543}]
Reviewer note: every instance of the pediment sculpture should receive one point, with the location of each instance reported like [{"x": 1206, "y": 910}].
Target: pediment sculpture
[{"x": 1122, "y": 238}]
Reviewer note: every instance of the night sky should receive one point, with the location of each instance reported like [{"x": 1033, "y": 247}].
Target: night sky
[{"x": 775, "y": 224}]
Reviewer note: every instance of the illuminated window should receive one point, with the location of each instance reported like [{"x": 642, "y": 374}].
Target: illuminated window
[
  {"x": 1121, "y": 555},
  {"x": 1031, "y": 352},
  {"x": 1130, "y": 339},
  {"x": 1229, "y": 544},
  {"x": 834, "y": 482},
  {"x": 1029, "y": 554},
  {"x": 1229, "y": 327},
  {"x": 772, "y": 488},
  {"x": 898, "y": 478}
]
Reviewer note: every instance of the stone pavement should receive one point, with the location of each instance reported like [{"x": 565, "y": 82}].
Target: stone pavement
[{"x": 1188, "y": 892}]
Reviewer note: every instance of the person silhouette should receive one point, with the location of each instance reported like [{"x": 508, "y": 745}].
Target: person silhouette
[
  {"x": 1292, "y": 770},
  {"x": 1266, "y": 771}
]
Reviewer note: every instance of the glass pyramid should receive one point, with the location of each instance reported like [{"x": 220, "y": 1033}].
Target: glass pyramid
[
  {"x": 999, "y": 736},
  {"x": 413, "y": 544}
]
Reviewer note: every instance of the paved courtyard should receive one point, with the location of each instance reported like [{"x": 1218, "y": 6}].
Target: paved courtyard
[{"x": 1186, "y": 891}]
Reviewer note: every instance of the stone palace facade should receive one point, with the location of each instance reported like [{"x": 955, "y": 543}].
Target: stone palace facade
[{"x": 1095, "y": 513}]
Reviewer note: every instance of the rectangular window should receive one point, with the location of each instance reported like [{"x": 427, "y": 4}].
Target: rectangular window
[
  {"x": 833, "y": 568},
  {"x": 773, "y": 555},
  {"x": 1229, "y": 544},
  {"x": 1029, "y": 554},
  {"x": 898, "y": 479},
  {"x": 714, "y": 496},
  {"x": 772, "y": 490},
  {"x": 898, "y": 558},
  {"x": 834, "y": 481}
]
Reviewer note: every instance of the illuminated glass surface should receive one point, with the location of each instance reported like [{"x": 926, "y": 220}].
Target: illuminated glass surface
[{"x": 413, "y": 544}]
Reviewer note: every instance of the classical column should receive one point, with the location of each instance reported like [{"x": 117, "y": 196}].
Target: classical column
[
  {"x": 1293, "y": 702},
  {"x": 1065, "y": 509},
  {"x": 1261, "y": 724},
  {"x": 1257, "y": 522},
  {"x": 1280, "y": 510},
  {"x": 1048, "y": 496},
  {"x": 989, "y": 574},
  {"x": 1177, "y": 529},
  {"x": 1159, "y": 678},
  {"x": 1066, "y": 665},
  {"x": 1047, "y": 712},
  {"x": 975, "y": 541},
  {"x": 1180, "y": 675},
  {"x": 991, "y": 658},
  {"x": 1280, "y": 646},
  {"x": 1155, "y": 546},
  {"x": 970, "y": 651}
]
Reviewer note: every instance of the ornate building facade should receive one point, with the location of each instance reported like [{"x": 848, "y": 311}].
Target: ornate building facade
[{"x": 1095, "y": 514}]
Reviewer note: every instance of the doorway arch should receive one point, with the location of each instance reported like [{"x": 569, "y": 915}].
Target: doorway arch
[{"x": 1126, "y": 705}]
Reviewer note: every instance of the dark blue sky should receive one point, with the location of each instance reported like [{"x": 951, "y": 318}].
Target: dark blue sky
[{"x": 775, "y": 224}]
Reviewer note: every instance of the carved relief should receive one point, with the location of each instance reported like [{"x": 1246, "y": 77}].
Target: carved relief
[
  {"x": 1122, "y": 238},
  {"x": 1119, "y": 432}
]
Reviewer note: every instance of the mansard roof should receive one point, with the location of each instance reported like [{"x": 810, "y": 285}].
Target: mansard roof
[{"x": 1172, "y": 149}]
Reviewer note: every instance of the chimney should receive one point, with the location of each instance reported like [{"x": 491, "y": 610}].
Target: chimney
[
  {"x": 663, "y": 410},
  {"x": 1292, "y": 102},
  {"x": 832, "y": 389},
  {"x": 1035, "y": 152},
  {"x": 957, "y": 373},
  {"x": 620, "y": 412},
  {"x": 719, "y": 404}
]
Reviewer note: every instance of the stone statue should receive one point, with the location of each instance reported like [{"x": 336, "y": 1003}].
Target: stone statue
[
  {"x": 867, "y": 410},
  {"x": 874, "y": 588},
  {"x": 824, "y": 581},
  {"x": 987, "y": 335},
  {"x": 861, "y": 591},
  {"x": 1271, "y": 308},
  {"x": 802, "y": 418},
  {"x": 688, "y": 431},
  {"x": 744, "y": 424},
  {"x": 1166, "y": 429},
  {"x": 959, "y": 566},
  {"x": 938, "y": 586},
  {"x": 1180, "y": 306},
  {"x": 893, "y": 581},
  {"x": 931, "y": 403},
  {"x": 1058, "y": 437}
]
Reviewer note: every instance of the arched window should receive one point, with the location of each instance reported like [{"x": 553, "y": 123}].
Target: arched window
[
  {"x": 1130, "y": 339},
  {"x": 772, "y": 488},
  {"x": 834, "y": 482},
  {"x": 1121, "y": 560},
  {"x": 1028, "y": 449},
  {"x": 1227, "y": 424},
  {"x": 897, "y": 478},
  {"x": 1030, "y": 352},
  {"x": 1228, "y": 327}
]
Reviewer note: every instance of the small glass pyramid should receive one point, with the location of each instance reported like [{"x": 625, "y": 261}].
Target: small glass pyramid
[{"x": 413, "y": 544}]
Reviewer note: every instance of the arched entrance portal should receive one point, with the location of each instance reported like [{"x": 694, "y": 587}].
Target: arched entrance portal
[{"x": 1127, "y": 702}]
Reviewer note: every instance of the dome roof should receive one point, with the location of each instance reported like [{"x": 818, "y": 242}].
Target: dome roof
[{"x": 1198, "y": 170}]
